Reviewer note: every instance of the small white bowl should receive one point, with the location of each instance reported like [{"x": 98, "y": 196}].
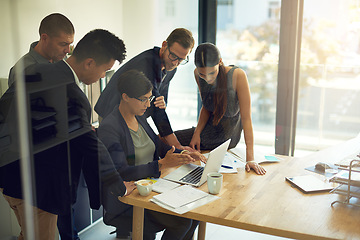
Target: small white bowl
[{"x": 144, "y": 186}]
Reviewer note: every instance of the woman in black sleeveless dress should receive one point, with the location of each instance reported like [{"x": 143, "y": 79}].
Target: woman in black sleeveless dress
[{"x": 226, "y": 106}]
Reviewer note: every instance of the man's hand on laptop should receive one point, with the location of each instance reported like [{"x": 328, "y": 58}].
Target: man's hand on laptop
[
  {"x": 196, "y": 155},
  {"x": 187, "y": 148},
  {"x": 172, "y": 159}
]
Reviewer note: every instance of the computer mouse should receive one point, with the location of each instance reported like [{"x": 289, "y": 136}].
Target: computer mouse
[{"x": 320, "y": 166}]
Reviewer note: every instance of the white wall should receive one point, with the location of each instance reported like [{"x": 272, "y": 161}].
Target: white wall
[
  {"x": 131, "y": 20},
  {"x": 6, "y": 41}
]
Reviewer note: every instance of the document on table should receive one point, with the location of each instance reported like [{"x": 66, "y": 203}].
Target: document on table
[
  {"x": 162, "y": 185},
  {"x": 230, "y": 163},
  {"x": 180, "y": 196},
  {"x": 259, "y": 157},
  {"x": 183, "y": 199}
]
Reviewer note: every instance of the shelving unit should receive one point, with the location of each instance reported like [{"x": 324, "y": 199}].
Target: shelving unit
[
  {"x": 349, "y": 185},
  {"x": 54, "y": 95}
]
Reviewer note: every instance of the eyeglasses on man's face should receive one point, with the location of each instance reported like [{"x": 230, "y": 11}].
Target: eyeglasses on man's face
[
  {"x": 145, "y": 100},
  {"x": 174, "y": 57}
]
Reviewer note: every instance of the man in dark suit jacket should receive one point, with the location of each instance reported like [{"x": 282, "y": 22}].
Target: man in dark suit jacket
[
  {"x": 95, "y": 54},
  {"x": 159, "y": 66}
]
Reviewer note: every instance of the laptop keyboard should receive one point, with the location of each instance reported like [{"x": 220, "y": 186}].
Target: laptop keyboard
[{"x": 194, "y": 176}]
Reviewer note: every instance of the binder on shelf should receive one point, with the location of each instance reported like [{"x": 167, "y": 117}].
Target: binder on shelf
[
  {"x": 42, "y": 120},
  {"x": 4, "y": 136},
  {"x": 40, "y": 115},
  {"x": 74, "y": 118},
  {"x": 33, "y": 77},
  {"x": 4, "y": 129},
  {"x": 5, "y": 142},
  {"x": 74, "y": 125}
]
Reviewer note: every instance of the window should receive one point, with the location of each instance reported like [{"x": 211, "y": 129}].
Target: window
[
  {"x": 328, "y": 105},
  {"x": 327, "y": 110},
  {"x": 274, "y": 10},
  {"x": 250, "y": 40},
  {"x": 170, "y": 8},
  {"x": 182, "y": 99}
]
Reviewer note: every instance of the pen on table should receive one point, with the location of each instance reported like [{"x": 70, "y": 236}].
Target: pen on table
[{"x": 224, "y": 166}]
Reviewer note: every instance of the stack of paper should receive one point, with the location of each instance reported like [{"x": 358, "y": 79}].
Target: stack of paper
[
  {"x": 354, "y": 162},
  {"x": 183, "y": 199},
  {"x": 343, "y": 177}
]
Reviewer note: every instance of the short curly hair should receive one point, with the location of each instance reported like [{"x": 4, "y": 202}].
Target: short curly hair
[{"x": 100, "y": 45}]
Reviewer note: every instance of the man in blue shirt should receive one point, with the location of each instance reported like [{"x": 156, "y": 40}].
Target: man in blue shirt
[{"x": 159, "y": 66}]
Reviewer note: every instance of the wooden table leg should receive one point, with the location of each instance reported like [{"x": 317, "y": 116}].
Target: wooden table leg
[
  {"x": 202, "y": 231},
  {"x": 138, "y": 223}
]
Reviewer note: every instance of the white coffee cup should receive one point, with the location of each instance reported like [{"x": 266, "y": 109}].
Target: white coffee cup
[
  {"x": 144, "y": 186},
  {"x": 214, "y": 182}
]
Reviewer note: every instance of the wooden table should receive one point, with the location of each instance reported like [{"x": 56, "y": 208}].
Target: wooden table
[{"x": 267, "y": 204}]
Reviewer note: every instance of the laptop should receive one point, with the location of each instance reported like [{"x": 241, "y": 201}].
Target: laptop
[
  {"x": 195, "y": 175},
  {"x": 310, "y": 183}
]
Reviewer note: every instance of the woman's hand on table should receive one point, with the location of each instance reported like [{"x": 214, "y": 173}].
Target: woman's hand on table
[
  {"x": 255, "y": 166},
  {"x": 130, "y": 186},
  {"x": 195, "y": 142}
]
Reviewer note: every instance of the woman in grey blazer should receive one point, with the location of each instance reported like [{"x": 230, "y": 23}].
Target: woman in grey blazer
[{"x": 138, "y": 153}]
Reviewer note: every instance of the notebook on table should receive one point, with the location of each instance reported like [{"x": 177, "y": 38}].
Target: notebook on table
[{"x": 195, "y": 175}]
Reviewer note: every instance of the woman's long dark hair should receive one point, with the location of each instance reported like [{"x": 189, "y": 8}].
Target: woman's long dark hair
[
  {"x": 208, "y": 55},
  {"x": 134, "y": 83}
]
